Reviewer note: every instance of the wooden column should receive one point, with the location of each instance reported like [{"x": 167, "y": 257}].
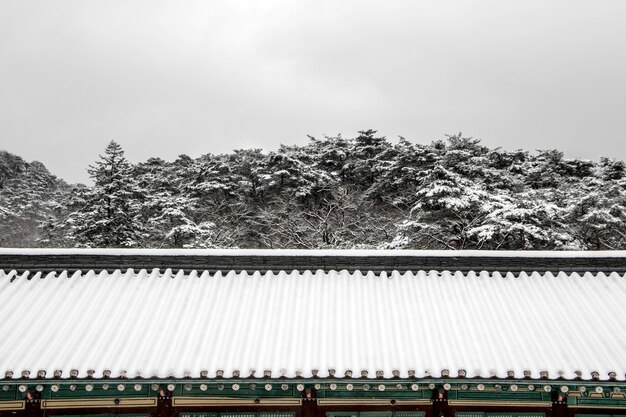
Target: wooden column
[
  {"x": 164, "y": 403},
  {"x": 309, "y": 406},
  {"x": 33, "y": 404},
  {"x": 440, "y": 403},
  {"x": 559, "y": 405}
]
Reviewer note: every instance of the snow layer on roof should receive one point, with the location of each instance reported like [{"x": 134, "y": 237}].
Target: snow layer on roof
[
  {"x": 169, "y": 324},
  {"x": 316, "y": 252}
]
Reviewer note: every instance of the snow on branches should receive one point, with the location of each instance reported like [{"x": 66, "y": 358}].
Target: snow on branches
[{"x": 333, "y": 192}]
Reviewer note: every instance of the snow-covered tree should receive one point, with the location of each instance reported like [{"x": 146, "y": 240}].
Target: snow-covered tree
[
  {"x": 331, "y": 155},
  {"x": 369, "y": 158},
  {"x": 343, "y": 219},
  {"x": 517, "y": 223},
  {"x": 292, "y": 172},
  {"x": 400, "y": 176},
  {"x": 597, "y": 213},
  {"x": 465, "y": 156},
  {"x": 178, "y": 230},
  {"x": 448, "y": 207},
  {"x": 334, "y": 192},
  {"x": 611, "y": 169},
  {"x": 110, "y": 213},
  {"x": 29, "y": 197}
]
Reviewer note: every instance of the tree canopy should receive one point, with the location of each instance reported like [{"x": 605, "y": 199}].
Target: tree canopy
[{"x": 332, "y": 192}]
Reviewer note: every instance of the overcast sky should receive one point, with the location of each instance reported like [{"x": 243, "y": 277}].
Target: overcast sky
[{"x": 171, "y": 77}]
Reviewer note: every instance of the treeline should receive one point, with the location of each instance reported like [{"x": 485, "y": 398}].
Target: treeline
[{"x": 334, "y": 192}]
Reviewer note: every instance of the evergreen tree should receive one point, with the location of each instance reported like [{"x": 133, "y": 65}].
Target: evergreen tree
[
  {"x": 597, "y": 213},
  {"x": 110, "y": 214},
  {"x": 29, "y": 197},
  {"x": 523, "y": 223},
  {"x": 173, "y": 227},
  {"x": 448, "y": 206},
  {"x": 400, "y": 176},
  {"x": 333, "y": 192},
  {"x": 331, "y": 154},
  {"x": 465, "y": 156},
  {"x": 369, "y": 158}
]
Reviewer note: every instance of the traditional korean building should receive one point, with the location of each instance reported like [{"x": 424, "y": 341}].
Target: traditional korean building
[{"x": 143, "y": 333}]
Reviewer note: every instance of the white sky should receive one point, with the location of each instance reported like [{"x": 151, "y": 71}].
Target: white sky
[{"x": 171, "y": 77}]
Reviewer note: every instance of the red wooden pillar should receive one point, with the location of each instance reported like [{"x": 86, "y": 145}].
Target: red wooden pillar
[
  {"x": 164, "y": 403},
  {"x": 310, "y": 408},
  {"x": 440, "y": 403},
  {"x": 309, "y": 403},
  {"x": 559, "y": 405},
  {"x": 32, "y": 404}
]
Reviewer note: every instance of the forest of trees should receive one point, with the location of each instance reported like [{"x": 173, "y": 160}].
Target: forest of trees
[{"x": 334, "y": 192}]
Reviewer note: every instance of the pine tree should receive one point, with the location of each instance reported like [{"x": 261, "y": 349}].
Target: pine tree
[
  {"x": 368, "y": 158},
  {"x": 334, "y": 192},
  {"x": 400, "y": 177},
  {"x": 177, "y": 229},
  {"x": 448, "y": 207},
  {"x": 110, "y": 214},
  {"x": 523, "y": 222},
  {"x": 597, "y": 212}
]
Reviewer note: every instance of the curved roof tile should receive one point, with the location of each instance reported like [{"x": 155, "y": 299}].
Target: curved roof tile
[{"x": 154, "y": 323}]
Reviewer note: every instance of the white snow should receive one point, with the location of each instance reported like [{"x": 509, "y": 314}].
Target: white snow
[
  {"x": 167, "y": 324},
  {"x": 315, "y": 252}
]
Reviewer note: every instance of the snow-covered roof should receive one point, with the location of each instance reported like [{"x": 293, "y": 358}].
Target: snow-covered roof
[{"x": 158, "y": 324}]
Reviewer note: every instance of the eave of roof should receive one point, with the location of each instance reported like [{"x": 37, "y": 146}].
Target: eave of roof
[
  {"x": 46, "y": 260},
  {"x": 524, "y": 393}
]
